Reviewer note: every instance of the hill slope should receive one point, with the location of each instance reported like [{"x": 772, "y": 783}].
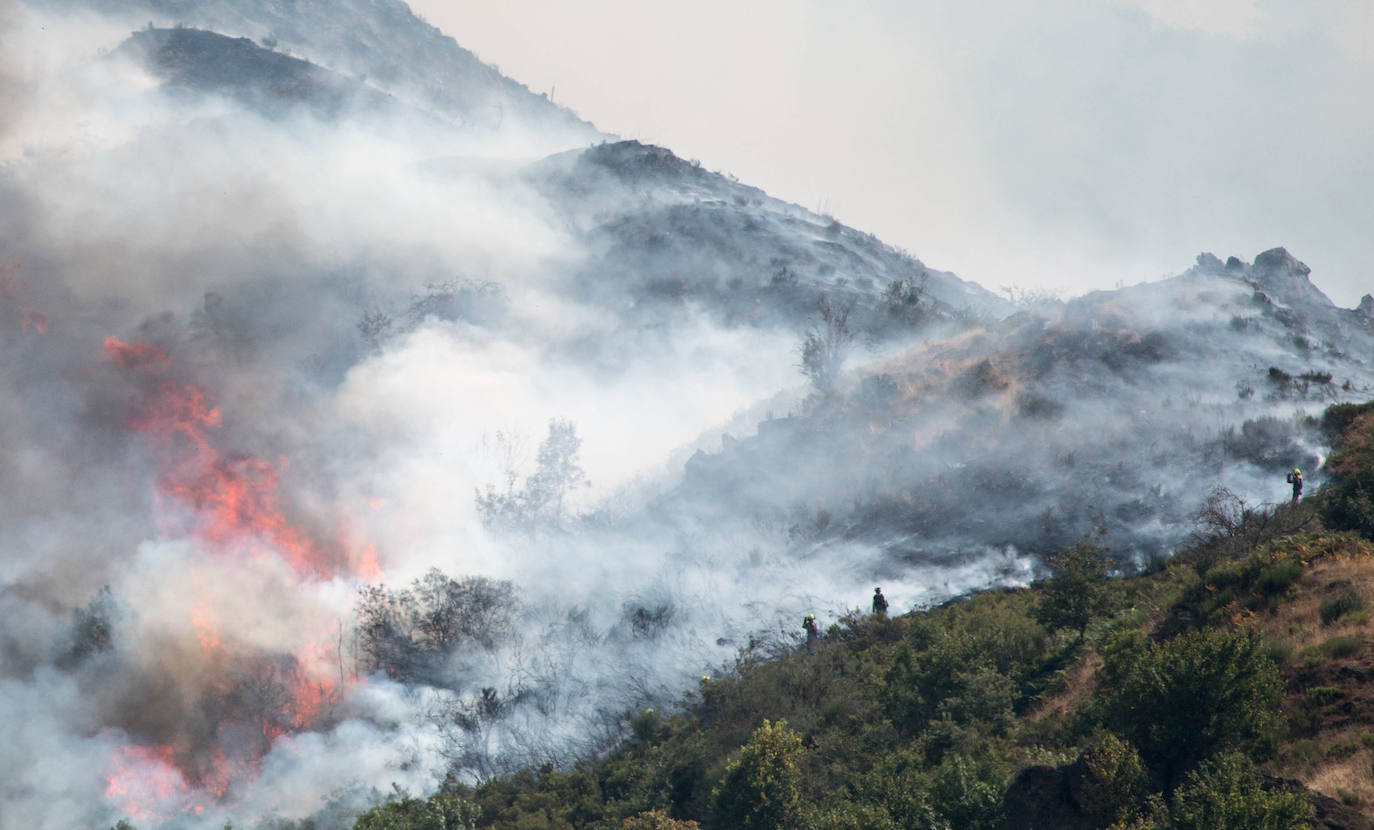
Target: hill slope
[{"x": 986, "y": 713}]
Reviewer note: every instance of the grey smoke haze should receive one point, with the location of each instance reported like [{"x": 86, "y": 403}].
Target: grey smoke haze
[
  {"x": 1069, "y": 145},
  {"x": 387, "y": 311}
]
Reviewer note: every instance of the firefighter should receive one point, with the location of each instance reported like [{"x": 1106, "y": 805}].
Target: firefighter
[
  {"x": 879, "y": 603},
  {"x": 812, "y": 634},
  {"x": 1295, "y": 479}
]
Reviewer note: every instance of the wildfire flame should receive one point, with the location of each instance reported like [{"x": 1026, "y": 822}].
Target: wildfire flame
[
  {"x": 236, "y": 509},
  {"x": 235, "y": 498}
]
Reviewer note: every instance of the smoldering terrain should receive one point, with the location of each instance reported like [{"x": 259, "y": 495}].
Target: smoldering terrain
[{"x": 370, "y": 419}]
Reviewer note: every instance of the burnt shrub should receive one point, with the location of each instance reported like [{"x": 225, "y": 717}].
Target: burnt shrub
[{"x": 409, "y": 633}]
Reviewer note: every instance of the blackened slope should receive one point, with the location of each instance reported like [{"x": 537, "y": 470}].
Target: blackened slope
[
  {"x": 205, "y": 62},
  {"x": 668, "y": 232},
  {"x": 381, "y": 40}
]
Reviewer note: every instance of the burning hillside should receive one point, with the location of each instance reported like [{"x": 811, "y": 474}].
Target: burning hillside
[{"x": 346, "y": 454}]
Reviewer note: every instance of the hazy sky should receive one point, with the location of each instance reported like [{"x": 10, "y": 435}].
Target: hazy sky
[{"x": 1053, "y": 144}]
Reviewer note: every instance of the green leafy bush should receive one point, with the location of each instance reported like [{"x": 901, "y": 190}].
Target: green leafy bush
[
  {"x": 1343, "y": 645},
  {"x": 1350, "y": 504},
  {"x": 761, "y": 787},
  {"x": 1188, "y": 698},
  {"x": 967, "y": 795},
  {"x": 1276, "y": 578},
  {"x": 966, "y": 663},
  {"x": 442, "y": 812},
  {"x": 1334, "y": 608},
  {"x": 1116, "y": 781},
  {"x": 1225, "y": 793}
]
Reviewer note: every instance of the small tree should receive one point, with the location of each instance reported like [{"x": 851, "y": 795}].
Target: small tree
[
  {"x": 824, "y": 348},
  {"x": 556, "y": 470},
  {"x": 540, "y": 502},
  {"x": 761, "y": 789},
  {"x": 1078, "y": 592}
]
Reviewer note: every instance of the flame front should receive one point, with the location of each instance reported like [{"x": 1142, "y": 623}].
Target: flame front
[{"x": 228, "y": 504}]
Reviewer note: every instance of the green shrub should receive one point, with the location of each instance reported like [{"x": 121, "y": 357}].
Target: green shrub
[
  {"x": 1224, "y": 793},
  {"x": 1276, "y": 578},
  {"x": 761, "y": 787},
  {"x": 1280, "y": 651},
  {"x": 1116, "y": 780},
  {"x": 1188, "y": 698},
  {"x": 966, "y": 662},
  {"x": 846, "y": 815},
  {"x": 442, "y": 812},
  {"x": 1321, "y": 695},
  {"x": 967, "y": 795},
  {"x": 1342, "y": 645},
  {"x": 1306, "y": 753},
  {"x": 1345, "y": 602},
  {"x": 1349, "y": 504},
  {"x": 1353, "y": 618}
]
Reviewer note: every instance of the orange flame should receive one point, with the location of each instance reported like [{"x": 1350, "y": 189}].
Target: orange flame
[
  {"x": 144, "y": 781},
  {"x": 236, "y": 507},
  {"x": 235, "y": 498}
]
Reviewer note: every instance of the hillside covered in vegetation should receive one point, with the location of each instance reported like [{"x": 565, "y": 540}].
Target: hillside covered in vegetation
[{"x": 1229, "y": 687}]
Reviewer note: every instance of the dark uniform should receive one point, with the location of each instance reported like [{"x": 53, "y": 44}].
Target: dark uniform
[
  {"x": 1295, "y": 479},
  {"x": 879, "y": 603}
]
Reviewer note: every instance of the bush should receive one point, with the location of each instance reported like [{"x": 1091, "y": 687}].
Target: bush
[
  {"x": 1338, "y": 606},
  {"x": 657, "y": 820},
  {"x": 1116, "y": 780},
  {"x": 442, "y": 812},
  {"x": 1342, "y": 646},
  {"x": 967, "y": 661},
  {"x": 761, "y": 787},
  {"x": 1350, "y": 504},
  {"x": 967, "y": 795},
  {"x": 1225, "y": 793},
  {"x": 1195, "y": 695},
  {"x": 1276, "y": 578},
  {"x": 409, "y": 633}
]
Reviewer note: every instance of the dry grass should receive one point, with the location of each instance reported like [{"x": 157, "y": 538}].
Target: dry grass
[
  {"x": 1298, "y": 620},
  {"x": 1348, "y": 780},
  {"x": 1336, "y": 762}
]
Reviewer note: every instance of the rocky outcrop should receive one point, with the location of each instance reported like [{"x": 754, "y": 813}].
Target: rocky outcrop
[
  {"x": 1281, "y": 276},
  {"x": 1366, "y": 308}
]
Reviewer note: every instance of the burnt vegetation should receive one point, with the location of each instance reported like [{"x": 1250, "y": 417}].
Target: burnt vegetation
[{"x": 410, "y": 634}]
